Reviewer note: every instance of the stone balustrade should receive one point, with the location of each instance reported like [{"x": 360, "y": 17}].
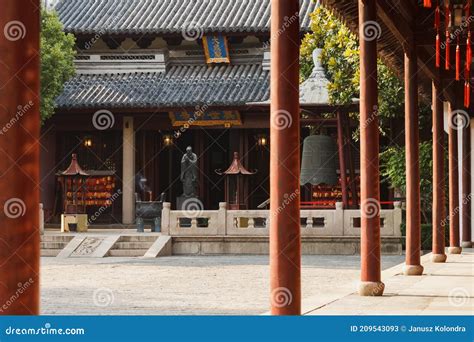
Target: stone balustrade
[{"x": 314, "y": 223}]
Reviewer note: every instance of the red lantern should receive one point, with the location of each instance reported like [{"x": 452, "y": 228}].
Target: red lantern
[
  {"x": 467, "y": 94},
  {"x": 427, "y": 3},
  {"x": 438, "y": 51},
  {"x": 448, "y": 56},
  {"x": 458, "y": 62}
]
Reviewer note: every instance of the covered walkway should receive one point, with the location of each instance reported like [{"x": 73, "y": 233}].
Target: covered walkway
[
  {"x": 443, "y": 289},
  {"x": 400, "y": 28}
]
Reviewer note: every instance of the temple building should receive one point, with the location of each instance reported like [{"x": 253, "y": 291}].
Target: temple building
[{"x": 154, "y": 79}]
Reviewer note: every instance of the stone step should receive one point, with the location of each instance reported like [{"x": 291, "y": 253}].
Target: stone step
[
  {"x": 127, "y": 252},
  {"x": 138, "y": 238},
  {"x": 56, "y": 238},
  {"x": 50, "y": 252},
  {"x": 133, "y": 245},
  {"x": 52, "y": 245}
]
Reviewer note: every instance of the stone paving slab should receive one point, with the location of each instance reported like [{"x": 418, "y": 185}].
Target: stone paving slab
[
  {"x": 443, "y": 289},
  {"x": 184, "y": 285}
]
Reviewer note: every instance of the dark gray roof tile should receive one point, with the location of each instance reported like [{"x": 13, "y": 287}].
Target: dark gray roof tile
[
  {"x": 181, "y": 86},
  {"x": 170, "y": 16}
]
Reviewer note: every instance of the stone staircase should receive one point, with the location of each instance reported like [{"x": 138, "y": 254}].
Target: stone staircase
[
  {"x": 132, "y": 246},
  {"x": 51, "y": 245}
]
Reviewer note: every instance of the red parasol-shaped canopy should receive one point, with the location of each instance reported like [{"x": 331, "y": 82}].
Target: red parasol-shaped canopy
[
  {"x": 74, "y": 168},
  {"x": 235, "y": 189},
  {"x": 236, "y": 168}
]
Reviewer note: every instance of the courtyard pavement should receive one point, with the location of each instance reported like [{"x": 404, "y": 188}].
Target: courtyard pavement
[
  {"x": 179, "y": 285},
  {"x": 239, "y": 285}
]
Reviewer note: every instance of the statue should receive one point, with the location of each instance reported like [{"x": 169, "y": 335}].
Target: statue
[{"x": 189, "y": 173}]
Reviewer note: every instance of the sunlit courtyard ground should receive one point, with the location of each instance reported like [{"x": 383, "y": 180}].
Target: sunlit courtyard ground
[{"x": 195, "y": 285}]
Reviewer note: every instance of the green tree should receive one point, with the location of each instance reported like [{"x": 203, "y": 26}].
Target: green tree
[
  {"x": 57, "y": 61},
  {"x": 340, "y": 59},
  {"x": 393, "y": 171}
]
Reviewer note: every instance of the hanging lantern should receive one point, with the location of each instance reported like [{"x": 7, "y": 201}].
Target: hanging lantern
[
  {"x": 467, "y": 72},
  {"x": 448, "y": 52},
  {"x": 319, "y": 161},
  {"x": 468, "y": 54},
  {"x": 168, "y": 140},
  {"x": 458, "y": 61},
  {"x": 467, "y": 94},
  {"x": 427, "y": 3},
  {"x": 438, "y": 51}
]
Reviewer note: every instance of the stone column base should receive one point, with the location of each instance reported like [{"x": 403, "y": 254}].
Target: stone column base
[
  {"x": 454, "y": 250},
  {"x": 371, "y": 288},
  {"x": 412, "y": 270},
  {"x": 438, "y": 257},
  {"x": 466, "y": 244}
]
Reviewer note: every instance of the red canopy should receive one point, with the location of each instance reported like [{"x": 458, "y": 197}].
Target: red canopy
[
  {"x": 236, "y": 168},
  {"x": 74, "y": 169}
]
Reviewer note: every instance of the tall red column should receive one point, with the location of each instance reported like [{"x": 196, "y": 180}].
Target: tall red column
[
  {"x": 285, "y": 240},
  {"x": 454, "y": 209},
  {"x": 371, "y": 284},
  {"x": 413, "y": 219},
  {"x": 19, "y": 157},
  {"x": 439, "y": 186},
  {"x": 341, "y": 144},
  {"x": 466, "y": 185}
]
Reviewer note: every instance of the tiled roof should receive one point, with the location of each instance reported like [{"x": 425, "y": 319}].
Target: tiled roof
[
  {"x": 181, "y": 86},
  {"x": 170, "y": 16}
]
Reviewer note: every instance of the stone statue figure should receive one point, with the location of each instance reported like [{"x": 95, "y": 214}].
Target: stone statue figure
[{"x": 189, "y": 173}]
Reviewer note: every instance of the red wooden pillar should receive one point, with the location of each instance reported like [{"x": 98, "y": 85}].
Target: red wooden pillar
[
  {"x": 466, "y": 186},
  {"x": 413, "y": 218},
  {"x": 19, "y": 157},
  {"x": 454, "y": 243},
  {"x": 341, "y": 142},
  {"x": 439, "y": 186},
  {"x": 371, "y": 284},
  {"x": 285, "y": 240},
  {"x": 352, "y": 176}
]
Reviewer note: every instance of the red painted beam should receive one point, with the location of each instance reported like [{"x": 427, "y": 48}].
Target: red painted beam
[
  {"x": 19, "y": 157},
  {"x": 285, "y": 239}
]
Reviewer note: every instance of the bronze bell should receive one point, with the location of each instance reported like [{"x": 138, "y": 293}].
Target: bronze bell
[{"x": 319, "y": 162}]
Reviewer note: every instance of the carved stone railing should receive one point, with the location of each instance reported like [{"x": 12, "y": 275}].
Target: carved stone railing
[{"x": 223, "y": 222}]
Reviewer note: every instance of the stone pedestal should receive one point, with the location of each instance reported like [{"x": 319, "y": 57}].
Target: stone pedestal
[
  {"x": 188, "y": 203},
  {"x": 80, "y": 220},
  {"x": 455, "y": 250},
  {"x": 192, "y": 206},
  {"x": 438, "y": 258},
  {"x": 371, "y": 288},
  {"x": 412, "y": 270}
]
